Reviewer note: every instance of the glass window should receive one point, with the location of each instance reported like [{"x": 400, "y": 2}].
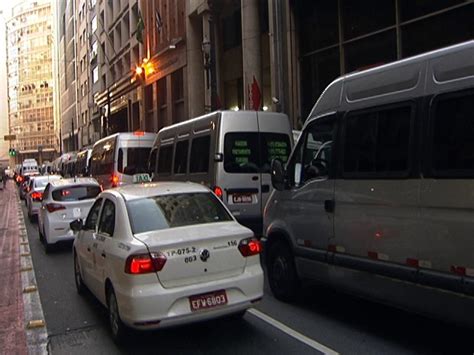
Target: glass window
[
  {"x": 356, "y": 21},
  {"x": 133, "y": 160},
  {"x": 371, "y": 51},
  {"x": 93, "y": 215},
  {"x": 377, "y": 143},
  {"x": 94, "y": 24},
  {"x": 76, "y": 193},
  {"x": 152, "y": 161},
  {"x": 107, "y": 218},
  {"x": 410, "y": 9},
  {"x": 438, "y": 31},
  {"x": 317, "y": 72},
  {"x": 103, "y": 158},
  {"x": 200, "y": 151},
  {"x": 249, "y": 152},
  {"x": 165, "y": 158},
  {"x": 176, "y": 210},
  {"x": 273, "y": 146},
  {"x": 319, "y": 24},
  {"x": 312, "y": 157},
  {"x": 453, "y": 136},
  {"x": 95, "y": 75},
  {"x": 241, "y": 153},
  {"x": 181, "y": 157}
]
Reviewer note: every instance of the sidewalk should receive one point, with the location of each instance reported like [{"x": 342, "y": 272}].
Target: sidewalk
[
  {"x": 17, "y": 334},
  {"x": 12, "y": 327}
]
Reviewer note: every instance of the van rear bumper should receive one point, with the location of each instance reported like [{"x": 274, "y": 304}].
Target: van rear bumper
[{"x": 254, "y": 223}]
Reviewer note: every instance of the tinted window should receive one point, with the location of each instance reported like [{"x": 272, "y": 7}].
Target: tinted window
[
  {"x": 177, "y": 210},
  {"x": 272, "y": 146},
  {"x": 453, "y": 136},
  {"x": 249, "y": 152},
  {"x": 165, "y": 158},
  {"x": 91, "y": 220},
  {"x": 200, "y": 151},
  {"x": 181, "y": 157},
  {"x": 377, "y": 143},
  {"x": 102, "y": 161},
  {"x": 313, "y": 154},
  {"x": 76, "y": 193},
  {"x": 133, "y": 160},
  {"x": 107, "y": 218},
  {"x": 152, "y": 161},
  {"x": 241, "y": 153}
]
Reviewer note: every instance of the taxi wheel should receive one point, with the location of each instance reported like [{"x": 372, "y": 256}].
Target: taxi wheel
[
  {"x": 80, "y": 287},
  {"x": 119, "y": 330},
  {"x": 282, "y": 276}
]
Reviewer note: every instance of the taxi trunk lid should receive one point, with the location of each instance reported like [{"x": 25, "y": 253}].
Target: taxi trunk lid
[{"x": 199, "y": 253}]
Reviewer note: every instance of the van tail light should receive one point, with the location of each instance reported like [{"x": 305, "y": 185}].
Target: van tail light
[
  {"x": 218, "y": 191},
  {"x": 37, "y": 196},
  {"x": 115, "y": 180},
  {"x": 53, "y": 207},
  {"x": 250, "y": 246},
  {"x": 145, "y": 263}
]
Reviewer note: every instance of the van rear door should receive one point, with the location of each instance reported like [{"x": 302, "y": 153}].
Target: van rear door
[{"x": 240, "y": 177}]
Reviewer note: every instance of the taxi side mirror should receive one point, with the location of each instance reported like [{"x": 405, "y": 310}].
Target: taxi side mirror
[{"x": 76, "y": 225}]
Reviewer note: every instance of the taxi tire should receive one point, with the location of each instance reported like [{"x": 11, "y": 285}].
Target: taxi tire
[
  {"x": 282, "y": 276},
  {"x": 80, "y": 287},
  {"x": 120, "y": 332}
]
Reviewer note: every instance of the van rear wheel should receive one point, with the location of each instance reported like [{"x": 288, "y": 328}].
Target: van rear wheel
[{"x": 282, "y": 276}]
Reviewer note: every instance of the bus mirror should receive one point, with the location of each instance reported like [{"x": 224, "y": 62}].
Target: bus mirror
[{"x": 278, "y": 175}]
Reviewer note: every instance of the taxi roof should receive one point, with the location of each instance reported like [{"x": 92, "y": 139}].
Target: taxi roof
[{"x": 132, "y": 192}]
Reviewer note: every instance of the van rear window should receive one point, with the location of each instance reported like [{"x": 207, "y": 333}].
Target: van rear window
[
  {"x": 76, "y": 193},
  {"x": 250, "y": 152},
  {"x": 133, "y": 160}
]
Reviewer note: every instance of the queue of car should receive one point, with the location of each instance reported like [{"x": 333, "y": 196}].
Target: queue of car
[{"x": 345, "y": 209}]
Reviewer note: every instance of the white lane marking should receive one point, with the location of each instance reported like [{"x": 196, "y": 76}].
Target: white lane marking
[{"x": 293, "y": 333}]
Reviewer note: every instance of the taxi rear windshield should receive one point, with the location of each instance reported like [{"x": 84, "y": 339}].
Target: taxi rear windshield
[
  {"x": 175, "y": 210},
  {"x": 76, "y": 193},
  {"x": 250, "y": 152}
]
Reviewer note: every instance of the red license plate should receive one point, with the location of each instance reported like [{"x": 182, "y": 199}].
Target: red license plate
[
  {"x": 208, "y": 300},
  {"x": 240, "y": 198}
]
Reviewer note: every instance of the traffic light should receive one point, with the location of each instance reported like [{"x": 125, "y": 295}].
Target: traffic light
[{"x": 12, "y": 152}]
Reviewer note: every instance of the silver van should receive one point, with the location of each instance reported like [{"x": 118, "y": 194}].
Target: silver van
[
  {"x": 228, "y": 151},
  {"x": 121, "y": 158},
  {"x": 377, "y": 197}
]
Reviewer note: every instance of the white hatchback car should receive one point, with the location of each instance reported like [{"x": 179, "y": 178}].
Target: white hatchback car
[
  {"x": 64, "y": 201},
  {"x": 34, "y": 193},
  {"x": 162, "y": 254}
]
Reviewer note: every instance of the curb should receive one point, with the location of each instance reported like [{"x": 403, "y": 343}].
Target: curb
[{"x": 35, "y": 325}]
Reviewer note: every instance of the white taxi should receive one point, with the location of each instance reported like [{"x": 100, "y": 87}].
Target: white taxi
[{"x": 162, "y": 254}]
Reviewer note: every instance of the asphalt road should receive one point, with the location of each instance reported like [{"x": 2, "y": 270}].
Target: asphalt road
[{"x": 320, "y": 322}]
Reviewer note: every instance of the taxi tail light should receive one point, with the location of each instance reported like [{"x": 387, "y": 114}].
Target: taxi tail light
[
  {"x": 115, "y": 179},
  {"x": 37, "y": 196},
  {"x": 145, "y": 263},
  {"x": 250, "y": 246},
  {"x": 53, "y": 207}
]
